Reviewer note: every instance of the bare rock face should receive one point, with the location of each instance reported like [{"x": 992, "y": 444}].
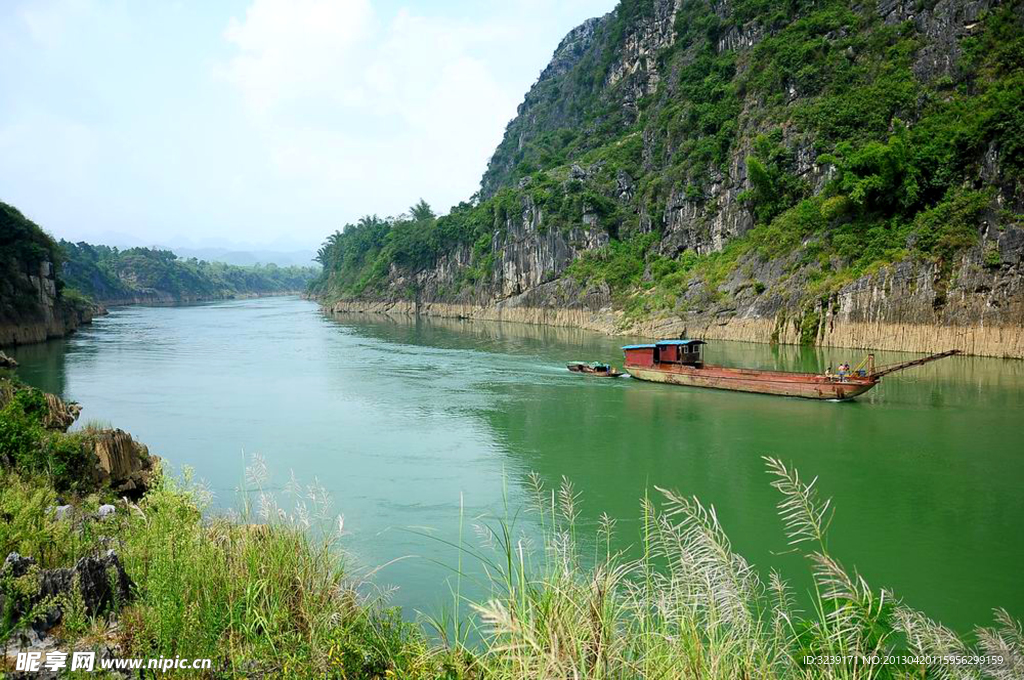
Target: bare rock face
[
  {"x": 62, "y": 414},
  {"x": 121, "y": 462},
  {"x": 613, "y": 66},
  {"x": 53, "y": 316},
  {"x": 944, "y": 24},
  {"x": 7, "y": 362},
  {"x": 638, "y": 66}
]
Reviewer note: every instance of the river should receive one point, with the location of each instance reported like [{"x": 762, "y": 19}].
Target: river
[{"x": 404, "y": 422}]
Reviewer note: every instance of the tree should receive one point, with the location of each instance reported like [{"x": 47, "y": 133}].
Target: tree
[{"x": 422, "y": 211}]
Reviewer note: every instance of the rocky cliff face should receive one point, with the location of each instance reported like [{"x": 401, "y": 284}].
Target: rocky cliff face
[
  {"x": 647, "y": 119},
  {"x": 44, "y": 314}
]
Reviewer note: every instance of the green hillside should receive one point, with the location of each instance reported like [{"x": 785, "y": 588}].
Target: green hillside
[
  {"x": 111, "y": 275},
  {"x": 833, "y": 136}
]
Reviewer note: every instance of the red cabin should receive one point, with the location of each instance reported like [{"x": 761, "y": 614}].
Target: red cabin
[{"x": 685, "y": 352}]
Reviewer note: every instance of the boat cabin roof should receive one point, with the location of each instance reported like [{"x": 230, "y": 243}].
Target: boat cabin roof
[{"x": 662, "y": 343}]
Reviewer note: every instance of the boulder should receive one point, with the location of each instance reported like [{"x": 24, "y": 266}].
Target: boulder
[
  {"x": 62, "y": 512},
  {"x": 61, "y": 414},
  {"x": 16, "y": 565},
  {"x": 121, "y": 462},
  {"x": 7, "y": 362}
]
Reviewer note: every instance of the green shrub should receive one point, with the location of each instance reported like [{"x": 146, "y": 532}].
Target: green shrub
[{"x": 27, "y": 446}]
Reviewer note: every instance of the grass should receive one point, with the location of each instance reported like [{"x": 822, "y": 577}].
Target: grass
[
  {"x": 264, "y": 592},
  {"x": 691, "y": 607}
]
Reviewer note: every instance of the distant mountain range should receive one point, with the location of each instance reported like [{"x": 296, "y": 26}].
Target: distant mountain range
[
  {"x": 299, "y": 258},
  {"x": 284, "y": 252}
]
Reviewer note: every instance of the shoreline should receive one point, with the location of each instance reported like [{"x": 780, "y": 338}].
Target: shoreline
[{"x": 1004, "y": 342}]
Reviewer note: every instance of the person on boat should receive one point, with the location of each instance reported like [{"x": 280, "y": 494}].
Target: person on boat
[
  {"x": 843, "y": 369},
  {"x": 828, "y": 373}
]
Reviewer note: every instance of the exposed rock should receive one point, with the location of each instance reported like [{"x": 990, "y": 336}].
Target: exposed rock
[
  {"x": 943, "y": 25},
  {"x": 62, "y": 414},
  {"x": 7, "y": 362},
  {"x": 101, "y": 582},
  {"x": 122, "y": 463},
  {"x": 54, "y": 316},
  {"x": 62, "y": 512},
  {"x": 975, "y": 304},
  {"x": 17, "y": 565}
]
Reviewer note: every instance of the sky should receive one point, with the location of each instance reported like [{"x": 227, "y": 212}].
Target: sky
[{"x": 257, "y": 123}]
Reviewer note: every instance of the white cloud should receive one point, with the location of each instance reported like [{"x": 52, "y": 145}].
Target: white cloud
[
  {"x": 368, "y": 110},
  {"x": 289, "y": 119},
  {"x": 291, "y": 48}
]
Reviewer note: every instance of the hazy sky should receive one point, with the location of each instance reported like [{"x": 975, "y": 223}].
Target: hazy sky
[{"x": 269, "y": 122}]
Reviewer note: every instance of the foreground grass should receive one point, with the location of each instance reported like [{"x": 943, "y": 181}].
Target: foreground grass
[
  {"x": 271, "y": 599},
  {"x": 259, "y": 599}
]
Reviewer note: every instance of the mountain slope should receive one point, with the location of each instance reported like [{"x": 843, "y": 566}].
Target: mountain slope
[{"x": 820, "y": 172}]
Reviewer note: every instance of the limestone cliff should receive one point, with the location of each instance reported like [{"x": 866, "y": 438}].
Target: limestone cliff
[
  {"x": 33, "y": 308},
  {"x": 34, "y": 305},
  {"x": 838, "y": 173}
]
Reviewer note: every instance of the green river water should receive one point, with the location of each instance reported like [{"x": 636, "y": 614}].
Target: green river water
[{"x": 404, "y": 421}]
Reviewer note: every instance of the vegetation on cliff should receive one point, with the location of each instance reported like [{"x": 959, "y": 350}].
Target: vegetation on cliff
[
  {"x": 108, "y": 274},
  {"x": 835, "y": 137},
  {"x": 29, "y": 260},
  {"x": 264, "y": 591}
]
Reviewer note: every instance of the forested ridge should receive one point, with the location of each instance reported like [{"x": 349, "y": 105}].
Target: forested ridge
[{"x": 110, "y": 274}]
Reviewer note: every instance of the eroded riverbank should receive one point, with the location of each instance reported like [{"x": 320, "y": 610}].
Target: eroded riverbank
[{"x": 990, "y": 341}]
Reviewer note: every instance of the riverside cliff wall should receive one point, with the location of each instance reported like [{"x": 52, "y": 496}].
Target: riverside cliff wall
[
  {"x": 619, "y": 140},
  {"x": 41, "y": 313}
]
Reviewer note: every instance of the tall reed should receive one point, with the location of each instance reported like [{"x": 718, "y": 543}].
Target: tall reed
[{"x": 691, "y": 607}]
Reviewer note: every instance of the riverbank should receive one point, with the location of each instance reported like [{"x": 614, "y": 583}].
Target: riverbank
[
  {"x": 57, "y": 322},
  {"x": 165, "y": 299},
  {"x": 991, "y": 341}
]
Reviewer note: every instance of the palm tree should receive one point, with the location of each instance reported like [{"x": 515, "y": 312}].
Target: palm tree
[{"x": 422, "y": 211}]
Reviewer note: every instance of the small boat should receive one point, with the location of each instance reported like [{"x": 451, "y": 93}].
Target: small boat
[
  {"x": 594, "y": 368},
  {"x": 680, "y": 362}
]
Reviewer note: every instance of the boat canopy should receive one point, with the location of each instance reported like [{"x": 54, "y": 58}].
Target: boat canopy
[
  {"x": 681, "y": 342},
  {"x": 662, "y": 343}
]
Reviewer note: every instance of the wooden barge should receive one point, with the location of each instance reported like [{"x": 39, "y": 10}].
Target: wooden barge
[{"x": 681, "y": 362}]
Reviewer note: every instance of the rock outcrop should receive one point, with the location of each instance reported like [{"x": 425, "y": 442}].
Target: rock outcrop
[
  {"x": 98, "y": 582},
  {"x": 122, "y": 463},
  {"x": 119, "y": 463},
  {"x": 48, "y": 314}
]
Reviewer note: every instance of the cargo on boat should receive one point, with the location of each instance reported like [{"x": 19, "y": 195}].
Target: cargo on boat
[
  {"x": 594, "y": 368},
  {"x": 681, "y": 362}
]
